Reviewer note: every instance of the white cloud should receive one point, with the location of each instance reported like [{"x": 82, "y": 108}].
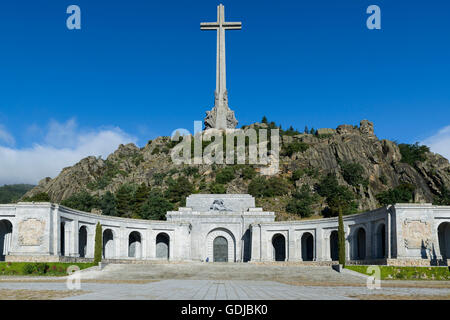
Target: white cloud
[
  {"x": 64, "y": 145},
  {"x": 440, "y": 142},
  {"x": 6, "y": 137}
]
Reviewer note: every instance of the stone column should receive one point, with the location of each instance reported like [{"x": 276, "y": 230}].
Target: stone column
[
  {"x": 347, "y": 243},
  {"x": 67, "y": 229},
  {"x": 122, "y": 244},
  {"x": 388, "y": 235},
  {"x": 90, "y": 245},
  {"x": 256, "y": 243},
  {"x": 318, "y": 250},
  {"x": 75, "y": 239},
  {"x": 151, "y": 244},
  {"x": 290, "y": 245}
]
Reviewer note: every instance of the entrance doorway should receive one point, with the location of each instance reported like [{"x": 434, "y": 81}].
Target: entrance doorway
[{"x": 220, "y": 250}]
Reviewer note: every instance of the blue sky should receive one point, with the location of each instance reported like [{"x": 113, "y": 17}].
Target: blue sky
[{"x": 140, "y": 69}]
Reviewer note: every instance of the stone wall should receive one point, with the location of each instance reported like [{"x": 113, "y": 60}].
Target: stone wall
[{"x": 404, "y": 234}]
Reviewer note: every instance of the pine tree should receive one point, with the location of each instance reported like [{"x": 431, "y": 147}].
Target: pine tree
[
  {"x": 306, "y": 129},
  {"x": 141, "y": 196},
  {"x": 125, "y": 200},
  {"x": 156, "y": 206},
  {"x": 264, "y": 120},
  {"x": 98, "y": 243},
  {"x": 341, "y": 239},
  {"x": 108, "y": 204}
]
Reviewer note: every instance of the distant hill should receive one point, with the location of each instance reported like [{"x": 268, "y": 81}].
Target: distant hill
[{"x": 12, "y": 193}]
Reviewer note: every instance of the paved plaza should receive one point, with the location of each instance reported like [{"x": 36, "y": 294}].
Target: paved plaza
[{"x": 207, "y": 281}]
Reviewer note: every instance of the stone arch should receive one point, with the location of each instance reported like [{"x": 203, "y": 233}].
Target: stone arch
[
  {"x": 6, "y": 229},
  {"x": 82, "y": 241},
  {"x": 444, "y": 239},
  {"x": 279, "y": 247},
  {"x": 62, "y": 238},
  {"x": 162, "y": 246},
  {"x": 380, "y": 241},
  {"x": 109, "y": 246},
  {"x": 228, "y": 235},
  {"x": 307, "y": 246},
  {"x": 359, "y": 244},
  {"x": 135, "y": 245},
  {"x": 334, "y": 245}
]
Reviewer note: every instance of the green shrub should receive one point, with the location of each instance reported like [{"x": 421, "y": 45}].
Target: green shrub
[
  {"x": 444, "y": 198},
  {"x": 137, "y": 159},
  {"x": 297, "y": 174},
  {"x": 40, "y": 197},
  {"x": 262, "y": 187},
  {"x": 353, "y": 174},
  {"x": 126, "y": 199},
  {"x": 407, "y": 273},
  {"x": 156, "y": 206},
  {"x": 158, "y": 178},
  {"x": 400, "y": 194},
  {"x": 108, "y": 204},
  {"x": 41, "y": 268},
  {"x": 248, "y": 173},
  {"x": 294, "y": 147},
  {"x": 29, "y": 268},
  {"x": 301, "y": 202},
  {"x": 179, "y": 189},
  {"x": 412, "y": 153},
  {"x": 225, "y": 175},
  {"x": 190, "y": 171},
  {"x": 35, "y": 268},
  {"x": 156, "y": 151},
  {"x": 217, "y": 188},
  {"x": 82, "y": 201},
  {"x": 289, "y": 132},
  {"x": 337, "y": 197}
]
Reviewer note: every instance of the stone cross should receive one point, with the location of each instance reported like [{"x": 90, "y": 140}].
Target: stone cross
[{"x": 221, "y": 99}]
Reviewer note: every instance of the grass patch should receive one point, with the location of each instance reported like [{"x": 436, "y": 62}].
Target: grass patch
[
  {"x": 39, "y": 268},
  {"x": 407, "y": 273}
]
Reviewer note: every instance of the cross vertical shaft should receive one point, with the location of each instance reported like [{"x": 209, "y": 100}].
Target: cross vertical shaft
[{"x": 221, "y": 99}]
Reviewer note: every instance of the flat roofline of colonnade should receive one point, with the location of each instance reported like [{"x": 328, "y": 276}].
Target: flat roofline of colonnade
[
  {"x": 51, "y": 205},
  {"x": 346, "y": 217}
]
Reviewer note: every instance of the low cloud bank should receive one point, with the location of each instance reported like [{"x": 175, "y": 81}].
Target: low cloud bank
[
  {"x": 440, "y": 142},
  {"x": 64, "y": 145}
]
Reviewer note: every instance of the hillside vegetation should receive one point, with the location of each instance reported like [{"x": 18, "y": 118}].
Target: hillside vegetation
[
  {"x": 320, "y": 170},
  {"x": 12, "y": 193}
]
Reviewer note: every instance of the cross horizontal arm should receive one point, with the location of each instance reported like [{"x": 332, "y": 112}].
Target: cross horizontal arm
[{"x": 226, "y": 25}]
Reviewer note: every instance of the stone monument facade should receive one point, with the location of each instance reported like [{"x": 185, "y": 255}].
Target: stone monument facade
[
  {"x": 221, "y": 116},
  {"x": 227, "y": 228}
]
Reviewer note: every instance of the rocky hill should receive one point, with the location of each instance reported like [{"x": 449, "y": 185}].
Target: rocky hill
[{"x": 372, "y": 170}]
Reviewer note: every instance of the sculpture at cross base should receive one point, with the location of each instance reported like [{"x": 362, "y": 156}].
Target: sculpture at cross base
[
  {"x": 221, "y": 116},
  {"x": 211, "y": 116}
]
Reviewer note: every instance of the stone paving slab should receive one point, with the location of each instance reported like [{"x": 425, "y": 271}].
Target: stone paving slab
[
  {"x": 207, "y": 281},
  {"x": 218, "y": 290}
]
